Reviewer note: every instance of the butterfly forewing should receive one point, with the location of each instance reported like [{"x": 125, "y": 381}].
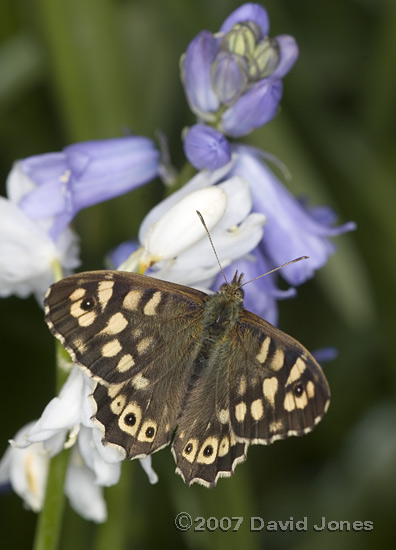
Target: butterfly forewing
[
  {"x": 116, "y": 324},
  {"x": 138, "y": 338},
  {"x": 173, "y": 362}
]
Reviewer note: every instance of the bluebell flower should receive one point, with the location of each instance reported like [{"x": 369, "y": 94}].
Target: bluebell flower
[
  {"x": 61, "y": 184},
  {"x": 292, "y": 229},
  {"x": 66, "y": 422},
  {"x": 233, "y": 79},
  {"x": 28, "y": 254},
  {"x": 44, "y": 194},
  {"x": 206, "y": 148},
  {"x": 174, "y": 244}
]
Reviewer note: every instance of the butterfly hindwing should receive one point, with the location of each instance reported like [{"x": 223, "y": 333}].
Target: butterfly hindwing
[{"x": 205, "y": 447}]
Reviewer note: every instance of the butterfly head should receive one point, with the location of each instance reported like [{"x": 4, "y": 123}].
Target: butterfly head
[{"x": 233, "y": 290}]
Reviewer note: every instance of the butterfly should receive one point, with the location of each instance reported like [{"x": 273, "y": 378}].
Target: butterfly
[{"x": 176, "y": 365}]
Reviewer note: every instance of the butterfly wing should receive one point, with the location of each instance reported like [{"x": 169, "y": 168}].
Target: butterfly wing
[
  {"x": 258, "y": 385},
  {"x": 138, "y": 337},
  {"x": 279, "y": 389},
  {"x": 205, "y": 447}
]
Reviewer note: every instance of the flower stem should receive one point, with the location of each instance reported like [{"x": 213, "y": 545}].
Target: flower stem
[{"x": 49, "y": 523}]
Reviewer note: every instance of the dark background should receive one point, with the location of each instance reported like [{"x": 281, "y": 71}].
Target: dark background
[{"x": 73, "y": 70}]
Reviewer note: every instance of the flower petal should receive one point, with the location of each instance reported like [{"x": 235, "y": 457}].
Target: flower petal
[
  {"x": 206, "y": 148},
  {"x": 180, "y": 227},
  {"x": 26, "y": 469},
  {"x": 147, "y": 467},
  {"x": 288, "y": 54},
  {"x": 196, "y": 74},
  {"x": 290, "y": 230},
  {"x": 105, "y": 169},
  {"x": 253, "y": 109},
  {"x": 84, "y": 494},
  {"x": 62, "y": 412},
  {"x": 106, "y": 473},
  {"x": 247, "y": 12},
  {"x": 27, "y": 252}
]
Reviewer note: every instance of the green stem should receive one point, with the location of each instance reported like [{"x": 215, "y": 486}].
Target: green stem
[
  {"x": 185, "y": 174},
  {"x": 50, "y": 519},
  {"x": 49, "y": 523}
]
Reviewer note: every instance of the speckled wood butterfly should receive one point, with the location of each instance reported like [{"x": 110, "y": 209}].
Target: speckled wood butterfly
[{"x": 175, "y": 364}]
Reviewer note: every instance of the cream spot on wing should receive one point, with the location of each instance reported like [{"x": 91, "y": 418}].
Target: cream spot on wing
[
  {"x": 289, "y": 402},
  {"x": 77, "y": 294},
  {"x": 233, "y": 440},
  {"x": 242, "y": 385},
  {"x": 110, "y": 349},
  {"x": 151, "y": 306},
  {"x": 292, "y": 402},
  {"x": 208, "y": 451},
  {"x": 270, "y": 387},
  {"x": 139, "y": 382},
  {"x": 115, "y": 324},
  {"x": 276, "y": 426},
  {"x": 310, "y": 389},
  {"x": 80, "y": 345},
  {"x": 105, "y": 291},
  {"x": 277, "y": 360},
  {"x": 256, "y": 409},
  {"x": 144, "y": 344},
  {"x": 113, "y": 390},
  {"x": 136, "y": 333},
  {"x": 87, "y": 318},
  {"x": 224, "y": 416},
  {"x": 130, "y": 419},
  {"x": 125, "y": 363},
  {"x": 118, "y": 404},
  {"x": 296, "y": 371},
  {"x": 262, "y": 354},
  {"x": 190, "y": 449},
  {"x": 240, "y": 411},
  {"x": 147, "y": 431},
  {"x": 224, "y": 446},
  {"x": 302, "y": 401},
  {"x": 84, "y": 318},
  {"x": 132, "y": 299}
]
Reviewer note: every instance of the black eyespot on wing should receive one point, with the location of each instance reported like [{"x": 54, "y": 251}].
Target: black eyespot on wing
[
  {"x": 150, "y": 432},
  {"x": 188, "y": 449},
  {"x": 298, "y": 389},
  {"x": 130, "y": 419},
  {"x": 88, "y": 303},
  {"x": 208, "y": 451}
]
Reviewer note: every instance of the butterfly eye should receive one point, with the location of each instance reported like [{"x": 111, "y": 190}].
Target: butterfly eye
[
  {"x": 298, "y": 390},
  {"x": 87, "y": 304},
  {"x": 239, "y": 293},
  {"x": 208, "y": 451},
  {"x": 130, "y": 419}
]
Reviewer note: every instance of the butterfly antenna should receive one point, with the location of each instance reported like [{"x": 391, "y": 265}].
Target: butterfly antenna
[
  {"x": 211, "y": 242},
  {"x": 277, "y": 268}
]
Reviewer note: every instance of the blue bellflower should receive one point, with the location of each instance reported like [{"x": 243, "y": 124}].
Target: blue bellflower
[
  {"x": 292, "y": 229},
  {"x": 85, "y": 174},
  {"x": 233, "y": 79}
]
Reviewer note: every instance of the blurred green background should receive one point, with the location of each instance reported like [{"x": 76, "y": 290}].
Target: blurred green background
[{"x": 72, "y": 70}]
